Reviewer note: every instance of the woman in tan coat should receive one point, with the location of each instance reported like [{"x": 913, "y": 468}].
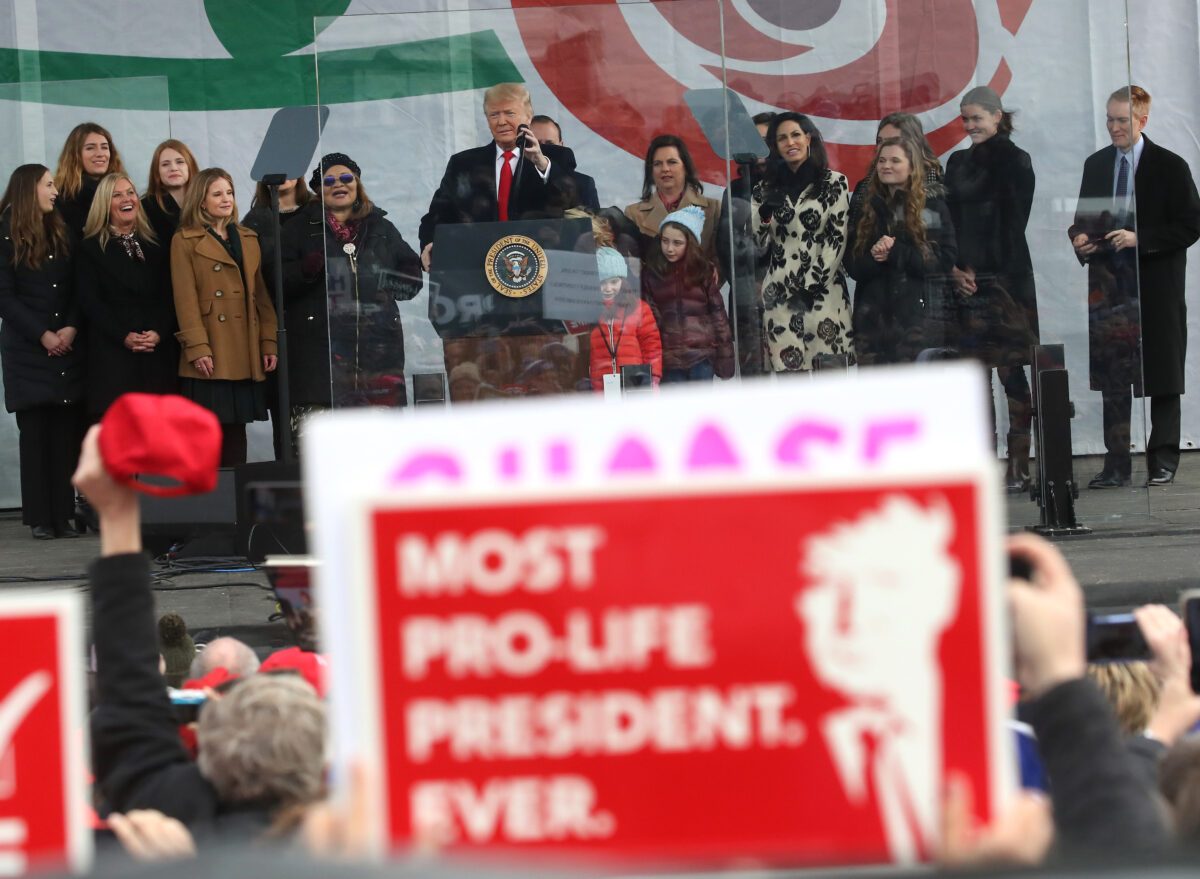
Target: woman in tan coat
[
  {"x": 670, "y": 183},
  {"x": 227, "y": 324}
]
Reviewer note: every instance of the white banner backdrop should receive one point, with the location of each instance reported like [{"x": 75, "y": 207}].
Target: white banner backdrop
[{"x": 1063, "y": 57}]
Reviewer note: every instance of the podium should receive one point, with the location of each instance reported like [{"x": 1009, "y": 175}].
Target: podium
[
  {"x": 478, "y": 284},
  {"x": 513, "y": 303}
]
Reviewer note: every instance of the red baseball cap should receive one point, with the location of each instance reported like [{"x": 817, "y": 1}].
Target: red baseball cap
[
  {"x": 310, "y": 666},
  {"x": 161, "y": 435},
  {"x": 213, "y": 679}
]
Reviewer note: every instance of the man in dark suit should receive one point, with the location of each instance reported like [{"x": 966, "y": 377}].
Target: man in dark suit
[
  {"x": 532, "y": 180},
  {"x": 1137, "y": 215},
  {"x": 496, "y": 183},
  {"x": 547, "y": 131}
]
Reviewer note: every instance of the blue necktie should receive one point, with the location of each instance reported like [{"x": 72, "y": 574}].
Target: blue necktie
[
  {"x": 1123, "y": 180},
  {"x": 1122, "y": 193}
]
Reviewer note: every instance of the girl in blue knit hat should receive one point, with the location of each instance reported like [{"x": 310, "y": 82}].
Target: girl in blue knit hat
[
  {"x": 680, "y": 283},
  {"x": 626, "y": 334}
]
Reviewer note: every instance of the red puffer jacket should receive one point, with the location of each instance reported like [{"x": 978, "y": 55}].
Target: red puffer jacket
[
  {"x": 630, "y": 332},
  {"x": 692, "y": 321}
]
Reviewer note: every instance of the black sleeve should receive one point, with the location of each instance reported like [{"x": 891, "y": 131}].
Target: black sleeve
[
  {"x": 12, "y": 310},
  {"x": 1182, "y": 214},
  {"x": 441, "y": 206},
  {"x": 942, "y": 250},
  {"x": 1146, "y": 754},
  {"x": 1100, "y": 804},
  {"x": 404, "y": 281},
  {"x": 861, "y": 266},
  {"x": 137, "y": 756}
]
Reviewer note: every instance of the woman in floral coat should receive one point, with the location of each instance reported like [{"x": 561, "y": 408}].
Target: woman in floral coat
[{"x": 800, "y": 214}]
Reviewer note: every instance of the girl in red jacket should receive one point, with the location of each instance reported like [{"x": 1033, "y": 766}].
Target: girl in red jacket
[
  {"x": 680, "y": 283},
  {"x": 627, "y": 333}
]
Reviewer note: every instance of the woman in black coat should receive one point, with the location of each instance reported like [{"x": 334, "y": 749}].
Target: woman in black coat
[
  {"x": 123, "y": 280},
  {"x": 40, "y": 349},
  {"x": 88, "y": 154},
  {"x": 991, "y": 188},
  {"x": 900, "y": 253},
  {"x": 172, "y": 169},
  {"x": 344, "y": 244},
  {"x": 293, "y": 195}
]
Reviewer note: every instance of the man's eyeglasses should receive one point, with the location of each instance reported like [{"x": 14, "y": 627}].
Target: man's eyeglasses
[{"x": 341, "y": 178}]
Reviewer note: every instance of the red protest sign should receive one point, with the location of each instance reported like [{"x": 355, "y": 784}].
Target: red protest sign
[
  {"x": 784, "y": 674},
  {"x": 42, "y": 789}
]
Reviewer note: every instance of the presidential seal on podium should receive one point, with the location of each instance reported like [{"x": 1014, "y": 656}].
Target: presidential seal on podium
[{"x": 516, "y": 266}]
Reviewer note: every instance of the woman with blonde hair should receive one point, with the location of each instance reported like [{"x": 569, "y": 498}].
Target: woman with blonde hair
[
  {"x": 88, "y": 154},
  {"x": 900, "y": 252},
  {"x": 172, "y": 168},
  {"x": 227, "y": 324},
  {"x": 125, "y": 291},
  {"x": 40, "y": 354}
]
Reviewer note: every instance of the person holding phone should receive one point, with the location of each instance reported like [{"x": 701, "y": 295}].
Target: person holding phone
[
  {"x": 1129, "y": 237},
  {"x": 514, "y": 177}
]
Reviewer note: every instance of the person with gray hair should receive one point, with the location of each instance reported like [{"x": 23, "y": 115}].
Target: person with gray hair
[
  {"x": 262, "y": 743},
  {"x": 236, "y": 657}
]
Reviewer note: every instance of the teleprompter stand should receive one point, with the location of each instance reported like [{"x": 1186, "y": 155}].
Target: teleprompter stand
[
  {"x": 286, "y": 154},
  {"x": 1056, "y": 490}
]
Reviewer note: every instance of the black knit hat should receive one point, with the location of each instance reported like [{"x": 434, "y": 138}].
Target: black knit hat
[{"x": 328, "y": 161}]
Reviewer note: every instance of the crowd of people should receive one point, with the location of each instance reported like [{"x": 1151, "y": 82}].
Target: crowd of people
[
  {"x": 1108, "y": 761},
  {"x": 103, "y": 291}
]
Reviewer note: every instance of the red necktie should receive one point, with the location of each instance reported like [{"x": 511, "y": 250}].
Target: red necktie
[{"x": 506, "y": 176}]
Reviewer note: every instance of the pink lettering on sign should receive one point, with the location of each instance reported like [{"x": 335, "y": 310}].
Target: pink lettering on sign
[
  {"x": 886, "y": 433},
  {"x": 510, "y": 464},
  {"x": 793, "y": 445},
  {"x": 425, "y": 464},
  {"x": 711, "y": 449},
  {"x": 632, "y": 456},
  {"x": 558, "y": 458}
]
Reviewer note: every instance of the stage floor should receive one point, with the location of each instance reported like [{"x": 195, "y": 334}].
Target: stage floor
[{"x": 1142, "y": 549}]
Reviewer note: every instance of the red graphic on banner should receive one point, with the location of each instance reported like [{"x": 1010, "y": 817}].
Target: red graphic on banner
[
  {"x": 761, "y": 674},
  {"x": 589, "y": 56},
  {"x": 34, "y": 811}
]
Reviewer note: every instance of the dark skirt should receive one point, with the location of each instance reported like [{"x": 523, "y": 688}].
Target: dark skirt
[{"x": 233, "y": 402}]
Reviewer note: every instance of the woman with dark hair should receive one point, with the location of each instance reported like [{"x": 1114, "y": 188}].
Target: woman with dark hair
[
  {"x": 991, "y": 187},
  {"x": 670, "y": 183},
  {"x": 172, "y": 168},
  {"x": 226, "y": 320},
  {"x": 88, "y": 154},
  {"x": 900, "y": 253},
  {"x": 346, "y": 347},
  {"x": 293, "y": 195},
  {"x": 40, "y": 353},
  {"x": 125, "y": 291},
  {"x": 799, "y": 212}
]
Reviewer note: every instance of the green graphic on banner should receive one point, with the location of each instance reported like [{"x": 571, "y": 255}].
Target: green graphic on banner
[{"x": 247, "y": 82}]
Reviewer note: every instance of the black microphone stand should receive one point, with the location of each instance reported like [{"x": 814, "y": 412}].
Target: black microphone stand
[
  {"x": 273, "y": 182},
  {"x": 521, "y": 163}
]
